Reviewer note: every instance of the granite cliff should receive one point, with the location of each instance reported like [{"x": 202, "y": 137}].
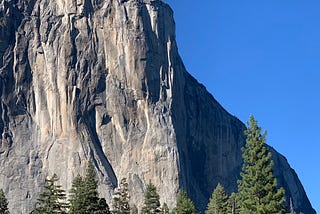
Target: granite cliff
[{"x": 103, "y": 79}]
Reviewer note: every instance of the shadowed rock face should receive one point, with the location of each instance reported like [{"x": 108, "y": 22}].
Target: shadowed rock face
[{"x": 97, "y": 79}]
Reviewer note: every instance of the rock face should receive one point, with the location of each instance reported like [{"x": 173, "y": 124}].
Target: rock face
[{"x": 103, "y": 79}]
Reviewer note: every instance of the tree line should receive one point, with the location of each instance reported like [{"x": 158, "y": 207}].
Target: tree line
[{"x": 258, "y": 192}]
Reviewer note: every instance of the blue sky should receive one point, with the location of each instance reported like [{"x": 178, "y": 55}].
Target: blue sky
[{"x": 261, "y": 58}]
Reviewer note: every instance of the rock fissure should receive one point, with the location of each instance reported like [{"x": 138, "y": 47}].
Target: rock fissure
[{"x": 103, "y": 79}]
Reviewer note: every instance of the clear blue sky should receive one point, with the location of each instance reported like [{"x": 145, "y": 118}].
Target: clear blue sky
[{"x": 261, "y": 58}]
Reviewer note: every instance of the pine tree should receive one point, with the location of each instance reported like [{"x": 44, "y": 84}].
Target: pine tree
[
  {"x": 134, "y": 210},
  {"x": 233, "y": 203},
  {"x": 121, "y": 198},
  {"x": 91, "y": 188},
  {"x": 52, "y": 199},
  {"x": 102, "y": 207},
  {"x": 3, "y": 203},
  {"x": 165, "y": 209},
  {"x": 151, "y": 200},
  {"x": 77, "y": 196},
  {"x": 258, "y": 191},
  {"x": 184, "y": 204},
  {"x": 218, "y": 203},
  {"x": 84, "y": 196}
]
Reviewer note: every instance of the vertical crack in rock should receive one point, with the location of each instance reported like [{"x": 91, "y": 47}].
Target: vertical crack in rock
[{"x": 102, "y": 79}]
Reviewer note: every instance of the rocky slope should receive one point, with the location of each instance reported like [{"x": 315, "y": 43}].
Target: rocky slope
[{"x": 103, "y": 79}]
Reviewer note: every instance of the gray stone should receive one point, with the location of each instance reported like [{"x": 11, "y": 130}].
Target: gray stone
[{"x": 83, "y": 79}]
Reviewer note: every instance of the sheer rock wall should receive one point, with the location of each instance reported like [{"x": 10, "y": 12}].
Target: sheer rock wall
[{"x": 103, "y": 79}]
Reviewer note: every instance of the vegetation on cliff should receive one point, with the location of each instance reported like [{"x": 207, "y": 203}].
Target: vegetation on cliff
[{"x": 258, "y": 192}]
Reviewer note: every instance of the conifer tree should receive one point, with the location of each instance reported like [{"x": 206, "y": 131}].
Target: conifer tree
[
  {"x": 91, "y": 198},
  {"x": 102, "y": 207},
  {"x": 77, "y": 195},
  {"x": 233, "y": 203},
  {"x": 165, "y": 209},
  {"x": 52, "y": 199},
  {"x": 121, "y": 198},
  {"x": 218, "y": 203},
  {"x": 258, "y": 191},
  {"x": 151, "y": 200},
  {"x": 3, "y": 203},
  {"x": 84, "y": 196},
  {"x": 184, "y": 204}
]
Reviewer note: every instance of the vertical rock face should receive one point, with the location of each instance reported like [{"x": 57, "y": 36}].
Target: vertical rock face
[{"x": 97, "y": 79}]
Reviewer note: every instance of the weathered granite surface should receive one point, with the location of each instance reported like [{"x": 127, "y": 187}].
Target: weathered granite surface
[{"x": 103, "y": 79}]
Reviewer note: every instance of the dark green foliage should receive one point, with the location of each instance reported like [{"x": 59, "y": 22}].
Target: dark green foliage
[
  {"x": 84, "y": 196},
  {"x": 184, "y": 204},
  {"x": 165, "y": 209},
  {"x": 52, "y": 199},
  {"x": 77, "y": 195},
  {"x": 218, "y": 203},
  {"x": 91, "y": 188},
  {"x": 102, "y": 207},
  {"x": 151, "y": 200},
  {"x": 121, "y": 198},
  {"x": 3, "y": 203},
  {"x": 258, "y": 191}
]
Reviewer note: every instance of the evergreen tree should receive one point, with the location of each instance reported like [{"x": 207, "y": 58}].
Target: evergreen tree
[
  {"x": 52, "y": 199},
  {"x": 218, "y": 203},
  {"x": 77, "y": 195},
  {"x": 91, "y": 188},
  {"x": 121, "y": 198},
  {"x": 3, "y": 203},
  {"x": 258, "y": 191},
  {"x": 102, "y": 207},
  {"x": 184, "y": 204},
  {"x": 151, "y": 200},
  {"x": 84, "y": 196},
  {"x": 233, "y": 203},
  {"x": 165, "y": 209}
]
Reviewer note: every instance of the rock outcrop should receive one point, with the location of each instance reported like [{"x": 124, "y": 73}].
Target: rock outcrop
[{"x": 103, "y": 79}]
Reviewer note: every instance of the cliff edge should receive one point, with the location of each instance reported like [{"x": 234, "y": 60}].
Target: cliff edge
[{"x": 103, "y": 79}]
